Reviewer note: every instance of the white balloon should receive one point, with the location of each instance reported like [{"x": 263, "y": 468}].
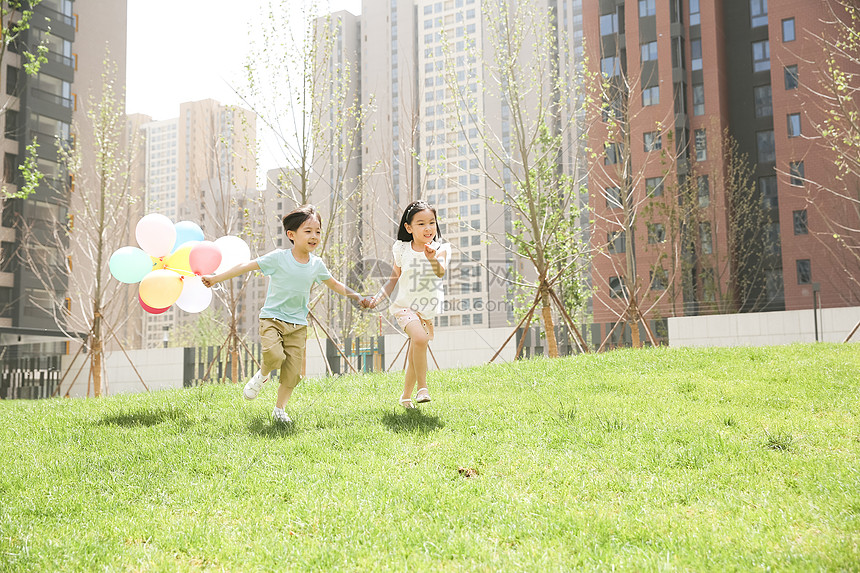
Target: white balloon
[
  {"x": 233, "y": 252},
  {"x": 195, "y": 296},
  {"x": 155, "y": 234}
]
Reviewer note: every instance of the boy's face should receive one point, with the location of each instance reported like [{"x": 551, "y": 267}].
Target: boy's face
[{"x": 307, "y": 236}]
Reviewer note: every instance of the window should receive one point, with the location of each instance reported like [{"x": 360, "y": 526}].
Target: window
[
  {"x": 758, "y": 13},
  {"x": 11, "y": 80},
  {"x": 696, "y": 54},
  {"x": 613, "y": 197},
  {"x": 763, "y": 101},
  {"x": 796, "y": 173},
  {"x": 695, "y": 16},
  {"x": 793, "y": 124},
  {"x": 10, "y": 167},
  {"x": 616, "y": 242},
  {"x": 704, "y": 190},
  {"x": 652, "y": 141},
  {"x": 11, "y": 125},
  {"x": 609, "y": 24},
  {"x": 804, "y": 271},
  {"x": 765, "y": 146},
  {"x": 705, "y": 237},
  {"x": 656, "y": 233},
  {"x": 654, "y": 186},
  {"x": 791, "y": 80},
  {"x": 699, "y": 99},
  {"x": 610, "y": 66},
  {"x": 649, "y": 51},
  {"x": 616, "y": 287},
  {"x": 613, "y": 154},
  {"x": 761, "y": 56},
  {"x": 650, "y": 96},
  {"x": 768, "y": 189},
  {"x": 701, "y": 137},
  {"x": 659, "y": 278},
  {"x": 801, "y": 226},
  {"x": 788, "y": 34},
  {"x": 647, "y": 8}
]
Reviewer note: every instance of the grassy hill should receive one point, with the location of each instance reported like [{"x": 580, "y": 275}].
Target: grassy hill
[{"x": 661, "y": 459}]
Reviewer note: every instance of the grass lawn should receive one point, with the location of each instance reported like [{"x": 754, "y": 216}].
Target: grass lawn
[{"x": 652, "y": 460}]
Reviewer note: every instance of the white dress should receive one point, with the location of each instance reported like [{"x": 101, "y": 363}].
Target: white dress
[{"x": 418, "y": 287}]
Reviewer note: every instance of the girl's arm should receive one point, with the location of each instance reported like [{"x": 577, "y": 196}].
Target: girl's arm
[
  {"x": 240, "y": 269},
  {"x": 439, "y": 263},
  {"x": 342, "y": 289},
  {"x": 388, "y": 287}
]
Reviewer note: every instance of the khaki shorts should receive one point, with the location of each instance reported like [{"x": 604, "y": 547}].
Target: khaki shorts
[
  {"x": 406, "y": 315},
  {"x": 283, "y": 349}
]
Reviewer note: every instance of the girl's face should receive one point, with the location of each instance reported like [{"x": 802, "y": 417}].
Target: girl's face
[
  {"x": 307, "y": 236},
  {"x": 423, "y": 226}
]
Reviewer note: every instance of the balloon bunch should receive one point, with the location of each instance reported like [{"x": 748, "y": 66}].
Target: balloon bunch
[{"x": 170, "y": 261}]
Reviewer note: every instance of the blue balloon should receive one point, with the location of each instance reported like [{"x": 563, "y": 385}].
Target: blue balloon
[
  {"x": 187, "y": 231},
  {"x": 129, "y": 264}
]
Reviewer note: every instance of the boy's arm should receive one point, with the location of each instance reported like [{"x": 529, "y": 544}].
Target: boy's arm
[
  {"x": 342, "y": 289},
  {"x": 240, "y": 269}
]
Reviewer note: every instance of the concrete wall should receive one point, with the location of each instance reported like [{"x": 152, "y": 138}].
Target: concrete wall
[
  {"x": 764, "y": 328},
  {"x": 162, "y": 368}
]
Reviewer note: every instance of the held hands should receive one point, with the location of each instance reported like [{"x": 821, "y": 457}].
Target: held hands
[{"x": 368, "y": 302}]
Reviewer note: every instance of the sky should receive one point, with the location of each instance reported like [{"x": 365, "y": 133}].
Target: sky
[{"x": 188, "y": 50}]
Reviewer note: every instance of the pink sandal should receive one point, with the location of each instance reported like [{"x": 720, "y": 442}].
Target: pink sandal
[{"x": 407, "y": 403}]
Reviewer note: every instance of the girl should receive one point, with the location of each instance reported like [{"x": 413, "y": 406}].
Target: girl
[
  {"x": 420, "y": 262},
  {"x": 284, "y": 316}
]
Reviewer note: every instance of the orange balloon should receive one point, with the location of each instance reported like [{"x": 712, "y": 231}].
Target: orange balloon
[{"x": 160, "y": 288}]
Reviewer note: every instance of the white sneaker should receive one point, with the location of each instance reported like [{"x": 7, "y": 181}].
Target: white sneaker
[
  {"x": 252, "y": 388},
  {"x": 280, "y": 416}
]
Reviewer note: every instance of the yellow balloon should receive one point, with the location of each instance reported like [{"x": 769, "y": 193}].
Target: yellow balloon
[
  {"x": 178, "y": 261},
  {"x": 158, "y": 262},
  {"x": 160, "y": 288}
]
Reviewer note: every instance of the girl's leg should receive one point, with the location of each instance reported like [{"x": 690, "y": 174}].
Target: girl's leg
[{"x": 416, "y": 369}]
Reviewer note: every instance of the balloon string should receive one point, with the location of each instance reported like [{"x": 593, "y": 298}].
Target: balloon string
[{"x": 181, "y": 271}]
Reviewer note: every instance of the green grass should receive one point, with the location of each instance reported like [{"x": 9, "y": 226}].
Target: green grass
[{"x": 654, "y": 460}]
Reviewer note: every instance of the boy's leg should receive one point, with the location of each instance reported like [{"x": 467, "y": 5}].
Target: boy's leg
[
  {"x": 271, "y": 339},
  {"x": 293, "y": 346}
]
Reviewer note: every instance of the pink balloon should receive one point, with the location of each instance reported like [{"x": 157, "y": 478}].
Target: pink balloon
[
  {"x": 148, "y": 308},
  {"x": 204, "y": 258}
]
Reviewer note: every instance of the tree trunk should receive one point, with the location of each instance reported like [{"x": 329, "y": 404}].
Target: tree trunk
[
  {"x": 96, "y": 353},
  {"x": 551, "y": 343},
  {"x": 234, "y": 360}
]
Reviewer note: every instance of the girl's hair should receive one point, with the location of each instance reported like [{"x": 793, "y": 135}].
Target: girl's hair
[
  {"x": 297, "y": 217},
  {"x": 409, "y": 214}
]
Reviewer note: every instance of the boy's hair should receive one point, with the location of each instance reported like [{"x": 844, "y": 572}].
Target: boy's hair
[
  {"x": 409, "y": 214},
  {"x": 297, "y": 217}
]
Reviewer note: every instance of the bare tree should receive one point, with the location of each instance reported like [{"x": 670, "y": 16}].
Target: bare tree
[
  {"x": 70, "y": 257},
  {"x": 521, "y": 157},
  {"x": 835, "y": 196},
  {"x": 301, "y": 84}
]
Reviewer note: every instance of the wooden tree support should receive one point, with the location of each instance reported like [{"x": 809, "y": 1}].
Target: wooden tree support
[
  {"x": 853, "y": 330},
  {"x": 89, "y": 378},
  {"x": 346, "y": 359},
  {"x": 517, "y": 327}
]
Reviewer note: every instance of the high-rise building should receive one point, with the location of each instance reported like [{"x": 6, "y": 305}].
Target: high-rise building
[
  {"x": 415, "y": 145},
  {"x": 692, "y": 77},
  {"x": 196, "y": 165},
  {"x": 44, "y": 107}
]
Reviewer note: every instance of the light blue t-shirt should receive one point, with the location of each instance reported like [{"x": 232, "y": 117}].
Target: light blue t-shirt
[{"x": 290, "y": 285}]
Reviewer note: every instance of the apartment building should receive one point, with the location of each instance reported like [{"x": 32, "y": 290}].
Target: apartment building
[{"x": 694, "y": 71}]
